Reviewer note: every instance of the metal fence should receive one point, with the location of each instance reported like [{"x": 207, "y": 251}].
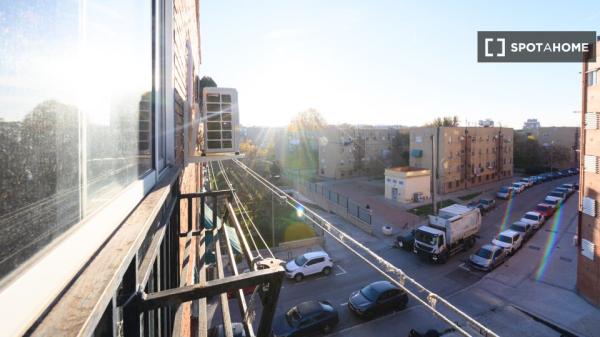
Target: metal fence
[
  {"x": 336, "y": 198},
  {"x": 352, "y": 207}
]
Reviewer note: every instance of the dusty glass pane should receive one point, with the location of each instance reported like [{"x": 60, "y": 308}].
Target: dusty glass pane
[{"x": 75, "y": 115}]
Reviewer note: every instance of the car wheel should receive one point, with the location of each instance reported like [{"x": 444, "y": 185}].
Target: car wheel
[
  {"x": 298, "y": 277},
  {"x": 327, "y": 328},
  {"x": 326, "y": 270}
]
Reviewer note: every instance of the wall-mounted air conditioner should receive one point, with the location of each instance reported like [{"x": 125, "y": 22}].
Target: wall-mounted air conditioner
[
  {"x": 213, "y": 133},
  {"x": 221, "y": 128}
]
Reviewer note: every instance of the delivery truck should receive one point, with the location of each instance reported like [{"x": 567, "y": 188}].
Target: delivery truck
[{"x": 452, "y": 230}]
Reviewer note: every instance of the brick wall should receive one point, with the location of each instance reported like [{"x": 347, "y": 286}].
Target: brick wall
[{"x": 186, "y": 46}]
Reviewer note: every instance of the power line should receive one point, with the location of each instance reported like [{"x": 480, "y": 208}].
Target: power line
[
  {"x": 386, "y": 267},
  {"x": 244, "y": 213}
]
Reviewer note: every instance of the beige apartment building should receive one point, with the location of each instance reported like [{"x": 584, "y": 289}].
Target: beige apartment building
[
  {"x": 346, "y": 151},
  {"x": 563, "y": 136},
  {"x": 466, "y": 156},
  {"x": 588, "y": 238}
]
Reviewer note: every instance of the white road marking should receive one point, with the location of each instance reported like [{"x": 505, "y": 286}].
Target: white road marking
[
  {"x": 343, "y": 304},
  {"x": 342, "y": 272},
  {"x": 462, "y": 266}
]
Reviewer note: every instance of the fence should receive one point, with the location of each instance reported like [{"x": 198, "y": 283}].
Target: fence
[{"x": 333, "y": 201}]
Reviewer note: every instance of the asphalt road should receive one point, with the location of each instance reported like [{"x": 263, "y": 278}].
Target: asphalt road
[{"x": 350, "y": 273}]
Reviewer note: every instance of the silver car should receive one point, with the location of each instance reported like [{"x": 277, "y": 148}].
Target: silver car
[{"x": 487, "y": 257}]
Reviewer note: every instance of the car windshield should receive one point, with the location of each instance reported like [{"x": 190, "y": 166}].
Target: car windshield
[
  {"x": 293, "y": 317},
  {"x": 550, "y": 201},
  {"x": 300, "y": 260},
  {"x": 369, "y": 293},
  {"x": 426, "y": 237},
  {"x": 503, "y": 190},
  {"x": 542, "y": 208},
  {"x": 556, "y": 194},
  {"x": 531, "y": 217},
  {"x": 504, "y": 238},
  {"x": 485, "y": 202},
  {"x": 516, "y": 185},
  {"x": 517, "y": 228},
  {"x": 485, "y": 253}
]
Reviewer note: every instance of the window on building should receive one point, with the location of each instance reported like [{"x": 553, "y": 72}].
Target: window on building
[
  {"x": 449, "y": 184},
  {"x": 79, "y": 123},
  {"x": 592, "y": 77}
]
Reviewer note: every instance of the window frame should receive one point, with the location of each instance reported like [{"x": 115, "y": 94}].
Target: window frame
[{"x": 56, "y": 263}]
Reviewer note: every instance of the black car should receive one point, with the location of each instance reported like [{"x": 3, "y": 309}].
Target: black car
[
  {"x": 306, "y": 319},
  {"x": 406, "y": 241},
  {"x": 219, "y": 330},
  {"x": 377, "y": 298}
]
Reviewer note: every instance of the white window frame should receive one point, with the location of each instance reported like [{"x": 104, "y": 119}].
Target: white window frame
[{"x": 23, "y": 298}]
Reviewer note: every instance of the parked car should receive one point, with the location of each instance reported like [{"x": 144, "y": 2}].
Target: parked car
[
  {"x": 306, "y": 319},
  {"x": 487, "y": 257},
  {"x": 537, "y": 179},
  {"x": 518, "y": 187},
  {"x": 545, "y": 209},
  {"x": 509, "y": 240},
  {"x": 524, "y": 228},
  {"x": 576, "y": 186},
  {"x": 569, "y": 188},
  {"x": 552, "y": 201},
  {"x": 535, "y": 219},
  {"x": 505, "y": 192},
  {"x": 527, "y": 181},
  {"x": 407, "y": 241},
  {"x": 487, "y": 204},
  {"x": 219, "y": 331},
  {"x": 377, "y": 298},
  {"x": 561, "y": 195},
  {"x": 309, "y": 264}
]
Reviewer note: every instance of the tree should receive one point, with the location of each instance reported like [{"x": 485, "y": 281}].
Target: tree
[
  {"x": 444, "y": 121},
  {"x": 399, "y": 153},
  {"x": 528, "y": 154},
  {"x": 308, "y": 120}
]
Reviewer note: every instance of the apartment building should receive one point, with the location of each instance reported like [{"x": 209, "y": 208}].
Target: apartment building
[
  {"x": 588, "y": 238},
  {"x": 102, "y": 206},
  {"x": 466, "y": 156},
  {"x": 564, "y": 137},
  {"x": 346, "y": 151}
]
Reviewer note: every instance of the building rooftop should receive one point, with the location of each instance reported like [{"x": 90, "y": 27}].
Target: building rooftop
[{"x": 407, "y": 169}]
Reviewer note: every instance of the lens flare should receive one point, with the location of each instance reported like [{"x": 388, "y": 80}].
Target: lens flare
[
  {"x": 299, "y": 211},
  {"x": 550, "y": 244},
  {"x": 506, "y": 216}
]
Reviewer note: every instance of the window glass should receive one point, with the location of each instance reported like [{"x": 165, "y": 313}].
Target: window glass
[{"x": 76, "y": 112}]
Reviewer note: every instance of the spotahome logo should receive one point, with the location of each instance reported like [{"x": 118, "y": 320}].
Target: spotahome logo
[{"x": 536, "y": 46}]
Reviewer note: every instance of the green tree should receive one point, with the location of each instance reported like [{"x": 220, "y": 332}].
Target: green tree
[
  {"x": 399, "y": 152},
  {"x": 444, "y": 121},
  {"x": 528, "y": 154}
]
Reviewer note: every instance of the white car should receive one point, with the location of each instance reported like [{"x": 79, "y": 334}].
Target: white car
[
  {"x": 509, "y": 240},
  {"x": 558, "y": 196},
  {"x": 518, "y": 187},
  {"x": 309, "y": 264},
  {"x": 527, "y": 181},
  {"x": 535, "y": 219},
  {"x": 552, "y": 201}
]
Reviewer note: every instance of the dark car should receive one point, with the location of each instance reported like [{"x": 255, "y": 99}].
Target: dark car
[
  {"x": 406, "y": 241},
  {"x": 486, "y": 204},
  {"x": 219, "y": 330},
  {"x": 377, "y": 298},
  {"x": 525, "y": 229},
  {"x": 307, "y": 318}
]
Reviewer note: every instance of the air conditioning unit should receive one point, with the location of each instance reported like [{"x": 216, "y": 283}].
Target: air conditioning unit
[
  {"x": 222, "y": 125},
  {"x": 219, "y": 119}
]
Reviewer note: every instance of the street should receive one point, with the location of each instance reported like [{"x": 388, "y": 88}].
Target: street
[{"x": 448, "y": 279}]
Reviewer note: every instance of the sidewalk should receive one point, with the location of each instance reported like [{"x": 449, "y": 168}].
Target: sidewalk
[{"x": 544, "y": 289}]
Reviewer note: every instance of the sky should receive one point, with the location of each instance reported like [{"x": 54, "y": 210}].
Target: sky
[{"x": 388, "y": 62}]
